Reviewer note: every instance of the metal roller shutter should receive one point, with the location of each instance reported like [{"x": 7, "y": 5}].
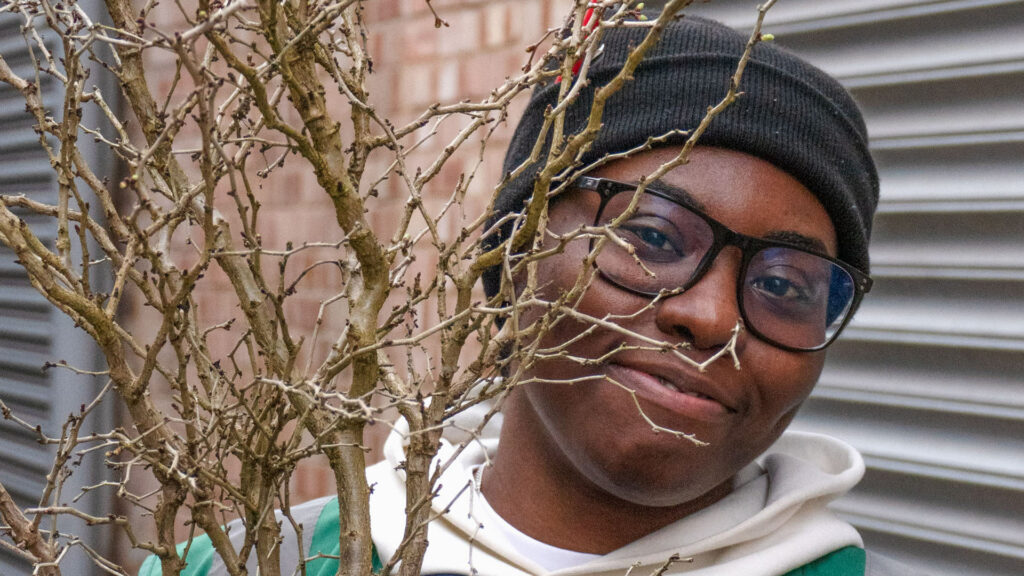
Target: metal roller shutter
[
  {"x": 928, "y": 381},
  {"x": 32, "y": 332}
]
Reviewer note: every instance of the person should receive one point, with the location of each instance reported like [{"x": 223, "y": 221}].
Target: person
[{"x": 755, "y": 257}]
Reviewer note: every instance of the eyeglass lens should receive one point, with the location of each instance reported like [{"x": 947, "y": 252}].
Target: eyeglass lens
[{"x": 787, "y": 296}]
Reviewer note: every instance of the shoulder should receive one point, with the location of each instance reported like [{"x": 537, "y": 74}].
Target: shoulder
[
  {"x": 319, "y": 537},
  {"x": 855, "y": 561},
  {"x": 846, "y": 561},
  {"x": 198, "y": 554}
]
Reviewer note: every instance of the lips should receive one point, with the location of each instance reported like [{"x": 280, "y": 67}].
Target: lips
[{"x": 683, "y": 397}]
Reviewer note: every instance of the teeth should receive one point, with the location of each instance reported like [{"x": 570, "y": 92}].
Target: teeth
[
  {"x": 669, "y": 385},
  {"x": 694, "y": 394},
  {"x": 673, "y": 388}
]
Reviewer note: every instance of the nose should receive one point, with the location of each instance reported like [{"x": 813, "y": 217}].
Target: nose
[{"x": 706, "y": 314}]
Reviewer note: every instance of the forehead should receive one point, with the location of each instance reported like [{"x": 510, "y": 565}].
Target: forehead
[{"x": 746, "y": 193}]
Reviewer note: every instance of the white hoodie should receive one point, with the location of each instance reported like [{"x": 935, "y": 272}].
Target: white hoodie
[{"x": 774, "y": 521}]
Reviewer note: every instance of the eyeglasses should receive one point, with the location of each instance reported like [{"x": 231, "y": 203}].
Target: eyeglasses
[{"x": 788, "y": 296}]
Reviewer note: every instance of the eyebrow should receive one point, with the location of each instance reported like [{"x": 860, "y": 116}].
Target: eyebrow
[
  {"x": 797, "y": 239},
  {"x": 676, "y": 193},
  {"x": 788, "y": 236}
]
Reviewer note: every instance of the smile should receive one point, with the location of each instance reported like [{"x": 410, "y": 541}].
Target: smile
[
  {"x": 676, "y": 396},
  {"x": 675, "y": 388}
]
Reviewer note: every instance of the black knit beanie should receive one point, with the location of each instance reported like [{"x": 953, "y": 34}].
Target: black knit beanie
[{"x": 790, "y": 114}]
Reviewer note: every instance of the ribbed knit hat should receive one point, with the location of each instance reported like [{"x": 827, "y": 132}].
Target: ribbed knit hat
[{"x": 790, "y": 114}]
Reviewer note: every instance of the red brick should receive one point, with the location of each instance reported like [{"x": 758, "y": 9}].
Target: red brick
[
  {"x": 419, "y": 39},
  {"x": 385, "y": 43},
  {"x": 415, "y": 65},
  {"x": 526, "y": 22},
  {"x": 410, "y": 7},
  {"x": 483, "y": 73},
  {"x": 445, "y": 7},
  {"x": 495, "y": 24},
  {"x": 558, "y": 10},
  {"x": 381, "y": 10},
  {"x": 463, "y": 35},
  {"x": 416, "y": 83},
  {"x": 313, "y": 479},
  {"x": 448, "y": 82},
  {"x": 385, "y": 216}
]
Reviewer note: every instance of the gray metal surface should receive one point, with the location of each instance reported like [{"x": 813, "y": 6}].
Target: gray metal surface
[
  {"x": 33, "y": 333},
  {"x": 928, "y": 382}
]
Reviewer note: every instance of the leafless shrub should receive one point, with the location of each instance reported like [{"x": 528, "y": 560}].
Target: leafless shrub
[{"x": 259, "y": 83}]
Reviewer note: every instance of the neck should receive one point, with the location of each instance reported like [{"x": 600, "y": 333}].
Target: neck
[{"x": 537, "y": 490}]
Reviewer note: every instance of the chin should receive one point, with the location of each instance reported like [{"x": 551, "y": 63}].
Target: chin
[
  {"x": 654, "y": 498},
  {"x": 657, "y": 486}
]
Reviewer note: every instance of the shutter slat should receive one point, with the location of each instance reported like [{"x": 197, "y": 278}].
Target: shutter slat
[
  {"x": 32, "y": 333},
  {"x": 976, "y": 33},
  {"x": 980, "y": 104},
  {"x": 927, "y": 380},
  {"x": 973, "y": 174},
  {"x": 811, "y": 15}
]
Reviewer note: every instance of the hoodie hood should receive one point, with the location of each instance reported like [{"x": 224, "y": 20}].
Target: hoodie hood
[{"x": 775, "y": 519}]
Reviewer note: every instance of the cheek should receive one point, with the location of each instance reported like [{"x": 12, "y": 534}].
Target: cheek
[
  {"x": 786, "y": 379},
  {"x": 562, "y": 273},
  {"x": 558, "y": 273},
  {"x": 554, "y": 277}
]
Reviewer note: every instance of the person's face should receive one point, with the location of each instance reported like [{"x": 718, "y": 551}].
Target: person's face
[{"x": 594, "y": 429}]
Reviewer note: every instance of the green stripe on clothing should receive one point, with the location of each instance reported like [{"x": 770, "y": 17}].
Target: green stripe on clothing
[
  {"x": 326, "y": 544},
  {"x": 325, "y": 547},
  {"x": 197, "y": 563},
  {"x": 325, "y": 541},
  {"x": 849, "y": 561}
]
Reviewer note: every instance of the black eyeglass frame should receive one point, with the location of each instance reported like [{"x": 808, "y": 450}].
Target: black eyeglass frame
[{"x": 724, "y": 236}]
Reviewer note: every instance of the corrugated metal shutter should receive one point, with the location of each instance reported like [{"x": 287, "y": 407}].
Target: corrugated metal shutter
[
  {"x": 32, "y": 332},
  {"x": 929, "y": 380}
]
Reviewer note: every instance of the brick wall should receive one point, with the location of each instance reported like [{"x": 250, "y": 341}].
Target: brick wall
[{"x": 415, "y": 64}]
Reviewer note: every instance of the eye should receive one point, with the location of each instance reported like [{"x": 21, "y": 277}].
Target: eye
[
  {"x": 781, "y": 288},
  {"x": 653, "y": 239},
  {"x": 790, "y": 286}
]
